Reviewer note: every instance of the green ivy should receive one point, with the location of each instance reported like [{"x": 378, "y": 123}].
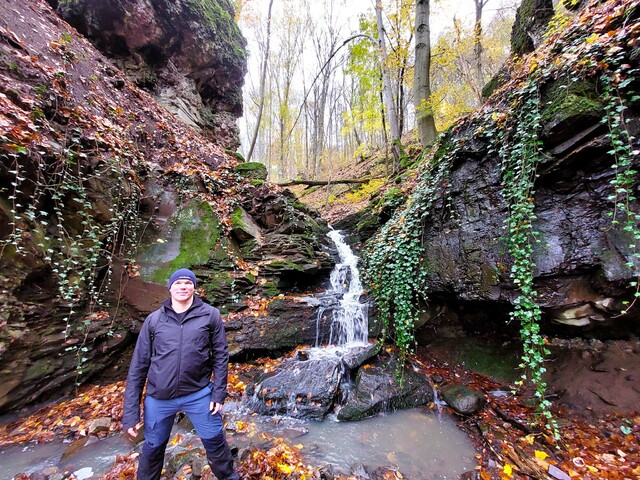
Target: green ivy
[
  {"x": 394, "y": 267},
  {"x": 615, "y": 86},
  {"x": 52, "y": 218},
  {"x": 520, "y": 154}
]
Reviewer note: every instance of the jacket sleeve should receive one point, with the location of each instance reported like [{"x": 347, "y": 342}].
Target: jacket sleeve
[
  {"x": 137, "y": 377},
  {"x": 220, "y": 356}
]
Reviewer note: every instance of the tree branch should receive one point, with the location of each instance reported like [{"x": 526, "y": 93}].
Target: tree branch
[{"x": 315, "y": 183}]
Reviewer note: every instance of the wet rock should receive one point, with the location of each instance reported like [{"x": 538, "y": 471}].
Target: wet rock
[
  {"x": 38, "y": 476},
  {"x": 75, "y": 447},
  {"x": 194, "y": 457},
  {"x": 463, "y": 399},
  {"x": 287, "y": 324},
  {"x": 377, "y": 389},
  {"x": 299, "y": 389},
  {"x": 99, "y": 425},
  {"x": 356, "y": 356},
  {"x": 360, "y": 472}
]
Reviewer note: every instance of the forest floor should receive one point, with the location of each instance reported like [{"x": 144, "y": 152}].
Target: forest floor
[{"x": 505, "y": 433}]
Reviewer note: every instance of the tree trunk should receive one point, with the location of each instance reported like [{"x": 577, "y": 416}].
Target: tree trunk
[
  {"x": 422, "y": 89},
  {"x": 477, "y": 44},
  {"x": 263, "y": 81},
  {"x": 387, "y": 91}
]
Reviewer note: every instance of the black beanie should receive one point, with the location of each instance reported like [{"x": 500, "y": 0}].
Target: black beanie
[{"x": 182, "y": 274}]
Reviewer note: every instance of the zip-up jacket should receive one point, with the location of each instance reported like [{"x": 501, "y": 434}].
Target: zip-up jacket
[{"x": 177, "y": 358}]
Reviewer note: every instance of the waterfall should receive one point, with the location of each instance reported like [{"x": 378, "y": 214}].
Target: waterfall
[{"x": 349, "y": 317}]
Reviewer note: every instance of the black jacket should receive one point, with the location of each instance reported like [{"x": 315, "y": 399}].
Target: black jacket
[{"x": 177, "y": 358}]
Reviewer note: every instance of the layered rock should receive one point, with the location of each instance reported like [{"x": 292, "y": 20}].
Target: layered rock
[
  {"x": 354, "y": 382},
  {"x": 189, "y": 54},
  {"x": 585, "y": 257},
  {"x": 103, "y": 193}
]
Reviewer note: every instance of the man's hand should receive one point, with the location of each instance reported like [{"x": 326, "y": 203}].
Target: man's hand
[
  {"x": 132, "y": 432},
  {"x": 215, "y": 407}
]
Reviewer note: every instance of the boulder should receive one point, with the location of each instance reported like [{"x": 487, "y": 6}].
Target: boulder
[
  {"x": 252, "y": 170},
  {"x": 377, "y": 388},
  {"x": 301, "y": 389},
  {"x": 464, "y": 400},
  {"x": 189, "y": 54}
]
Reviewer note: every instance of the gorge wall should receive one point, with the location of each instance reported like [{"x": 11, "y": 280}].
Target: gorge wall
[
  {"x": 189, "y": 54},
  {"x": 103, "y": 192},
  {"x": 572, "y": 109}
]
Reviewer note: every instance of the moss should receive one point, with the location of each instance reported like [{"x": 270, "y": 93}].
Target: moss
[
  {"x": 252, "y": 170},
  {"x": 257, "y": 183},
  {"x": 236, "y": 155},
  {"x": 199, "y": 230},
  {"x": 221, "y": 21},
  {"x": 564, "y": 101},
  {"x": 309, "y": 190},
  {"x": 497, "y": 81},
  {"x": 284, "y": 265},
  {"x": 531, "y": 14},
  {"x": 236, "y": 219},
  {"x": 271, "y": 290},
  {"x": 39, "y": 369}
]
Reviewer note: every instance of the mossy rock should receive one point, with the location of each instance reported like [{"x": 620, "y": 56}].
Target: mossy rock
[
  {"x": 193, "y": 232},
  {"x": 497, "y": 81},
  {"x": 532, "y": 15},
  {"x": 243, "y": 226},
  {"x": 252, "y": 170},
  {"x": 236, "y": 155},
  {"x": 572, "y": 99}
]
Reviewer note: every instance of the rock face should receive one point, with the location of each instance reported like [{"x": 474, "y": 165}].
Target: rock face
[
  {"x": 189, "y": 54},
  {"x": 103, "y": 192},
  {"x": 585, "y": 256},
  {"x": 582, "y": 270}
]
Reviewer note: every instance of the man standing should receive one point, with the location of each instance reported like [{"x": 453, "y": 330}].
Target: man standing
[{"x": 180, "y": 345}]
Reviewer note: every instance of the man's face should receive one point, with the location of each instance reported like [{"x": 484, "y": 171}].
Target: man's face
[{"x": 182, "y": 290}]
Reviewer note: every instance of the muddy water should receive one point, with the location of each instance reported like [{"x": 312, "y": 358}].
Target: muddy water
[
  {"x": 89, "y": 462},
  {"x": 422, "y": 444}
]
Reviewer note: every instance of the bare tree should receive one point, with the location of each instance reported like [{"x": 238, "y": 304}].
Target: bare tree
[
  {"x": 387, "y": 90},
  {"x": 263, "y": 80},
  {"x": 477, "y": 42}
]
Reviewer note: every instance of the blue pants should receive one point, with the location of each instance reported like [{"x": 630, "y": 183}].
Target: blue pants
[{"x": 159, "y": 416}]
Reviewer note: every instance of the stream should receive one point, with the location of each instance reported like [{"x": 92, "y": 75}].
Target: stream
[{"x": 423, "y": 444}]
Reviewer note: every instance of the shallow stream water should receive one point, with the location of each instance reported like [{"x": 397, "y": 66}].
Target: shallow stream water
[{"x": 424, "y": 445}]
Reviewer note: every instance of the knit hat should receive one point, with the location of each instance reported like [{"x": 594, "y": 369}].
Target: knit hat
[{"x": 182, "y": 274}]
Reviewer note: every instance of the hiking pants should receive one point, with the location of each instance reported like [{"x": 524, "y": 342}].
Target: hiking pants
[{"x": 159, "y": 416}]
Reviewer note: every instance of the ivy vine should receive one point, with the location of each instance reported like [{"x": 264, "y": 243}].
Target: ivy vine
[
  {"x": 394, "y": 266},
  {"x": 520, "y": 155},
  {"x": 616, "y": 95},
  {"x": 53, "y": 220}
]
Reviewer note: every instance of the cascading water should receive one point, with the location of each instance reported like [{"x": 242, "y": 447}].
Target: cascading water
[{"x": 350, "y": 321}]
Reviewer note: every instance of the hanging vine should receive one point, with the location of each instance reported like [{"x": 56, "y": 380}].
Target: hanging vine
[
  {"x": 520, "y": 154},
  {"x": 53, "y": 220},
  {"x": 394, "y": 265},
  {"x": 617, "y": 96}
]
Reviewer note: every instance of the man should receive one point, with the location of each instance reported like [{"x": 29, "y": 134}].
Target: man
[{"x": 180, "y": 345}]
